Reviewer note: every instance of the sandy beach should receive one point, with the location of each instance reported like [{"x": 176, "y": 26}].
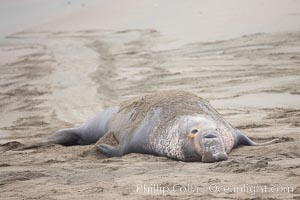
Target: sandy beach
[{"x": 61, "y": 66}]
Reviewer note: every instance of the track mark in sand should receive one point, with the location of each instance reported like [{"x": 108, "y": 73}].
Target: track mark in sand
[
  {"x": 266, "y": 139},
  {"x": 10, "y": 177},
  {"x": 9, "y": 146},
  {"x": 239, "y": 166},
  {"x": 248, "y": 126},
  {"x": 251, "y": 64},
  {"x": 38, "y": 78},
  {"x": 126, "y": 64},
  {"x": 105, "y": 73},
  {"x": 22, "y": 89},
  {"x": 286, "y": 116}
]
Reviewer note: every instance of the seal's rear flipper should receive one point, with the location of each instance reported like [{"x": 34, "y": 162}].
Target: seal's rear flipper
[
  {"x": 66, "y": 137},
  {"x": 242, "y": 139}
]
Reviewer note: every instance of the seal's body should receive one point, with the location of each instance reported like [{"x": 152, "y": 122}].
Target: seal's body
[{"x": 174, "y": 124}]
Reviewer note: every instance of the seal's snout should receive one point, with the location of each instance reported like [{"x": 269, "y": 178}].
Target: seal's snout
[
  {"x": 221, "y": 157},
  {"x": 213, "y": 148},
  {"x": 209, "y": 157},
  {"x": 209, "y": 144}
]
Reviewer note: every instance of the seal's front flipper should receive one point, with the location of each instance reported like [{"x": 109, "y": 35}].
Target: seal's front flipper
[
  {"x": 108, "y": 150},
  {"x": 108, "y": 145},
  {"x": 242, "y": 139}
]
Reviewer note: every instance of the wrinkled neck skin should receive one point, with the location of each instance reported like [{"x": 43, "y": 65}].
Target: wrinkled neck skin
[{"x": 170, "y": 139}]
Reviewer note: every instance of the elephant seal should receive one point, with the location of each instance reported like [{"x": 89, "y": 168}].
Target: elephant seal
[{"x": 174, "y": 124}]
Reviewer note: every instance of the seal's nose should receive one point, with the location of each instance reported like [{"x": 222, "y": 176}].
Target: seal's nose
[{"x": 210, "y": 135}]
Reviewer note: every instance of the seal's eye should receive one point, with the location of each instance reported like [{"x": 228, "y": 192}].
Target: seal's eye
[{"x": 192, "y": 133}]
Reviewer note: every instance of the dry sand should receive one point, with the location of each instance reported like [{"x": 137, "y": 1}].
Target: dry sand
[{"x": 52, "y": 79}]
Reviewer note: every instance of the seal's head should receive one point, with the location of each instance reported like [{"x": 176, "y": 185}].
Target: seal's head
[{"x": 208, "y": 140}]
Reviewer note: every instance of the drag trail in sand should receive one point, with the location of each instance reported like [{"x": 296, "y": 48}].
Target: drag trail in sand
[{"x": 50, "y": 80}]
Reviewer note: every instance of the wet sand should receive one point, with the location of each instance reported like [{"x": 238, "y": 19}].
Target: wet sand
[{"x": 53, "y": 79}]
